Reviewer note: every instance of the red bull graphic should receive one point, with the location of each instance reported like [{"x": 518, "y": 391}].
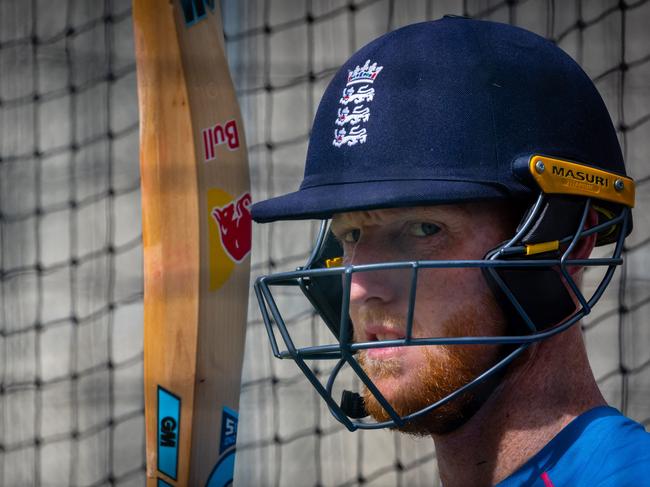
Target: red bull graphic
[
  {"x": 235, "y": 224},
  {"x": 217, "y": 135},
  {"x": 230, "y": 233}
]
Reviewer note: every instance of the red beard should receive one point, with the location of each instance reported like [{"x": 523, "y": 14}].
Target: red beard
[{"x": 442, "y": 370}]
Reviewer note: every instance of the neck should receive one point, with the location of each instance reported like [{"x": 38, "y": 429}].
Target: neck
[{"x": 542, "y": 392}]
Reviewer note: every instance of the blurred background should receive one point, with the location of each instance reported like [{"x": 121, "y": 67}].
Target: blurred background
[{"x": 71, "y": 401}]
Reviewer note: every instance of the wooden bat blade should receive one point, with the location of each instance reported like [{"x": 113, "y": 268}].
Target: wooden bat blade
[{"x": 196, "y": 238}]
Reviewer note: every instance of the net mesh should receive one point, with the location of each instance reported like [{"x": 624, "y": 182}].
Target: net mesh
[{"x": 71, "y": 404}]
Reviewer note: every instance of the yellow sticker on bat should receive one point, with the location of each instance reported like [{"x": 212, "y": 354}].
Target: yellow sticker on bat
[{"x": 230, "y": 233}]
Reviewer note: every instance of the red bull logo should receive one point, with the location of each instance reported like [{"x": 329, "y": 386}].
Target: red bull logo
[
  {"x": 234, "y": 222},
  {"x": 230, "y": 233},
  {"x": 217, "y": 135}
]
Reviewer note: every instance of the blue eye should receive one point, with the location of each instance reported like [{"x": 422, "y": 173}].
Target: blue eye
[{"x": 423, "y": 229}]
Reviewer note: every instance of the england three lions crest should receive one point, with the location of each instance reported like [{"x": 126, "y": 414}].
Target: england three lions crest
[{"x": 359, "y": 92}]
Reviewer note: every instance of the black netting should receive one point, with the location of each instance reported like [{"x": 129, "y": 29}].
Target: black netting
[
  {"x": 71, "y": 256},
  {"x": 71, "y": 400}
]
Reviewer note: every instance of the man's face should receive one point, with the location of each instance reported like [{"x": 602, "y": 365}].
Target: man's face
[{"x": 449, "y": 302}]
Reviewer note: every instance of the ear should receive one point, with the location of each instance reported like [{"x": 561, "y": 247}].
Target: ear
[{"x": 585, "y": 245}]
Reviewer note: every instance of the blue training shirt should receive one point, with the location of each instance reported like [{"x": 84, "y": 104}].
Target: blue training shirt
[{"x": 599, "y": 448}]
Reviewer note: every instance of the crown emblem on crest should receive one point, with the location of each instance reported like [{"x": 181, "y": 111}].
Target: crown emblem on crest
[{"x": 364, "y": 74}]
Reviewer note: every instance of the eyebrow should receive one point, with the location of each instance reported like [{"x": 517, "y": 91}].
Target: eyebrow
[{"x": 355, "y": 219}]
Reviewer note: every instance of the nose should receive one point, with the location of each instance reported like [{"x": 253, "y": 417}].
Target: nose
[
  {"x": 374, "y": 286},
  {"x": 371, "y": 286}
]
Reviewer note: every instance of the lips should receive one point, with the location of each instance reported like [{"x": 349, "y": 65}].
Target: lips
[{"x": 375, "y": 333}]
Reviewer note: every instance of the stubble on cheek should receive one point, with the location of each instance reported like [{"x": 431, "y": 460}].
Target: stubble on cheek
[{"x": 439, "y": 371}]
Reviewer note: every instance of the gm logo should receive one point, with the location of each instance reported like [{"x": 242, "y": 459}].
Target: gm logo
[
  {"x": 169, "y": 413},
  {"x": 168, "y": 432},
  {"x": 194, "y": 10}
]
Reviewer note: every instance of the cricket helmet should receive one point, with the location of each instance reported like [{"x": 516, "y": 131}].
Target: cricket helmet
[{"x": 453, "y": 111}]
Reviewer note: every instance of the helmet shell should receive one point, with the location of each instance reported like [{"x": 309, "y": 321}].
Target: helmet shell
[{"x": 440, "y": 113}]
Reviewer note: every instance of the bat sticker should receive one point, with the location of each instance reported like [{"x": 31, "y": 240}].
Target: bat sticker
[
  {"x": 229, "y": 420},
  {"x": 223, "y": 472},
  {"x": 220, "y": 134},
  {"x": 194, "y": 10},
  {"x": 230, "y": 234},
  {"x": 235, "y": 227},
  {"x": 169, "y": 421}
]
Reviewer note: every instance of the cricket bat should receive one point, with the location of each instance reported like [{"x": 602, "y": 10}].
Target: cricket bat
[{"x": 196, "y": 239}]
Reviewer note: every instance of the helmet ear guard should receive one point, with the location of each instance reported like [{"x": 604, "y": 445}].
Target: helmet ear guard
[
  {"x": 540, "y": 291},
  {"x": 557, "y": 218}
]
